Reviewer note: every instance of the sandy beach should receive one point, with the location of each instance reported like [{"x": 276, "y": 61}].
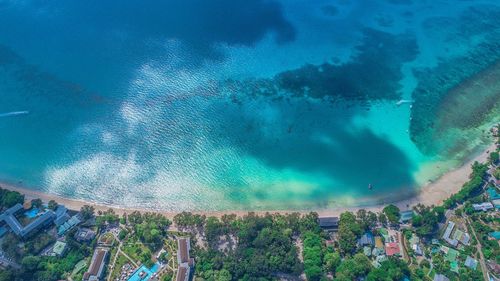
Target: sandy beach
[{"x": 432, "y": 194}]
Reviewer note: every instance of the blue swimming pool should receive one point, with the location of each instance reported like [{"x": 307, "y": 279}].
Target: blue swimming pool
[
  {"x": 31, "y": 213},
  {"x": 147, "y": 273}
]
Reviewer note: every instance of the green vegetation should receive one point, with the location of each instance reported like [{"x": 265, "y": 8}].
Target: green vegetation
[
  {"x": 313, "y": 256},
  {"x": 392, "y": 213},
  {"x": 150, "y": 228},
  {"x": 426, "y": 219},
  {"x": 9, "y": 198},
  {"x": 265, "y": 247},
  {"x": 470, "y": 188},
  {"x": 349, "y": 232}
]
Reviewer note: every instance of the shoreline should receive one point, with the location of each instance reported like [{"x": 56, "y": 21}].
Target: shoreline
[{"x": 433, "y": 193}]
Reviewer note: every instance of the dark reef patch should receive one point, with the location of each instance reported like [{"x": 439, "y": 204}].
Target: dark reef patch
[
  {"x": 373, "y": 73},
  {"x": 198, "y": 24},
  {"x": 441, "y": 88},
  {"x": 315, "y": 139}
]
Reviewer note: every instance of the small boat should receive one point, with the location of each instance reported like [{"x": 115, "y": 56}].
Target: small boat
[{"x": 370, "y": 187}]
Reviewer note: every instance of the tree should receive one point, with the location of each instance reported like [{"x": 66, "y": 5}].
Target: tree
[
  {"x": 30, "y": 263},
  {"x": 349, "y": 232},
  {"x": 87, "y": 212},
  {"x": 392, "y": 213},
  {"x": 224, "y": 275},
  {"x": 353, "y": 268},
  {"x": 494, "y": 156},
  {"x": 331, "y": 261},
  {"x": 10, "y": 198},
  {"x": 36, "y": 203},
  {"x": 382, "y": 218},
  {"x": 52, "y": 205},
  {"x": 392, "y": 269}
]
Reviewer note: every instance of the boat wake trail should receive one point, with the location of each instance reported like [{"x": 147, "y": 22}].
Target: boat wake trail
[{"x": 13, "y": 113}]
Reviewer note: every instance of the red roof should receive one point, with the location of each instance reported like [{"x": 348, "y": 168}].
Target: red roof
[{"x": 391, "y": 249}]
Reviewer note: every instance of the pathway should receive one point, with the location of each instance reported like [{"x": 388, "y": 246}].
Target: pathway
[{"x": 484, "y": 269}]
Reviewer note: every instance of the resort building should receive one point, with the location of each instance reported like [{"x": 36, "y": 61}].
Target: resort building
[
  {"x": 58, "y": 249},
  {"x": 44, "y": 219},
  {"x": 85, "y": 235},
  {"x": 61, "y": 215},
  {"x": 185, "y": 262},
  {"x": 447, "y": 234},
  {"x": 72, "y": 222},
  {"x": 329, "y": 223},
  {"x": 485, "y": 206},
  {"x": 97, "y": 266},
  {"x": 405, "y": 216}
]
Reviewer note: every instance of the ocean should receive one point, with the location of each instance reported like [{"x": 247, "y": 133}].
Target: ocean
[{"x": 244, "y": 104}]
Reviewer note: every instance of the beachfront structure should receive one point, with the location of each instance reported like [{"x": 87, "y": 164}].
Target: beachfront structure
[
  {"x": 9, "y": 218},
  {"x": 72, "y": 222},
  {"x": 405, "y": 216},
  {"x": 184, "y": 261},
  {"x": 485, "y": 206},
  {"x": 329, "y": 223},
  {"x": 61, "y": 215},
  {"x": 97, "y": 266}
]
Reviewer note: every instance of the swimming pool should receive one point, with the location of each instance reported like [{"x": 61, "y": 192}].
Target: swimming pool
[
  {"x": 31, "y": 213},
  {"x": 147, "y": 273}
]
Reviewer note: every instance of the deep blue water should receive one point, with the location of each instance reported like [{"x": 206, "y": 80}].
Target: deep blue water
[{"x": 227, "y": 104}]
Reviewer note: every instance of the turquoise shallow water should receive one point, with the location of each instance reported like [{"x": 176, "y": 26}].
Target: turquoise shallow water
[{"x": 217, "y": 105}]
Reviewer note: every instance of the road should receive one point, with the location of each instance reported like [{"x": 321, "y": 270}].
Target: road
[{"x": 484, "y": 269}]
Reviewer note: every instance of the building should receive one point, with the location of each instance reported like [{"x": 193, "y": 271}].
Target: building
[
  {"x": 85, "y": 234},
  {"x": 329, "y": 223},
  {"x": 392, "y": 249},
  {"x": 61, "y": 215},
  {"x": 58, "y": 249},
  {"x": 462, "y": 237},
  {"x": 485, "y": 206},
  {"x": 496, "y": 203},
  {"x": 185, "y": 262},
  {"x": 72, "y": 222},
  {"x": 405, "y": 216},
  {"x": 366, "y": 240},
  {"x": 97, "y": 266},
  {"x": 470, "y": 263},
  {"x": 447, "y": 234},
  {"x": 440, "y": 277},
  {"x": 8, "y": 217},
  {"x": 378, "y": 242}
]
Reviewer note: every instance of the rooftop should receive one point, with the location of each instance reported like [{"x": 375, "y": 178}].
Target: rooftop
[
  {"x": 329, "y": 222},
  {"x": 471, "y": 263},
  {"x": 59, "y": 248},
  {"x": 392, "y": 249}
]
